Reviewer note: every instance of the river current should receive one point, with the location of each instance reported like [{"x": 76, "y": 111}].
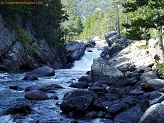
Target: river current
[{"x": 44, "y": 110}]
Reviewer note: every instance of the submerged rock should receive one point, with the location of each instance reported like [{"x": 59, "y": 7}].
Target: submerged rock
[
  {"x": 44, "y": 87},
  {"x": 17, "y": 88}
]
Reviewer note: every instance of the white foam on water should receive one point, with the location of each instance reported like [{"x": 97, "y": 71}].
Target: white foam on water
[
  {"x": 86, "y": 61},
  {"x": 6, "y": 119}
]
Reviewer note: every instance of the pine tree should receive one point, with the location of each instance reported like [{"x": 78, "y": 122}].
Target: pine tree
[{"x": 147, "y": 14}]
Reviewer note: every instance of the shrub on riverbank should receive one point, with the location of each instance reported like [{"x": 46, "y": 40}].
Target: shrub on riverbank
[{"x": 160, "y": 71}]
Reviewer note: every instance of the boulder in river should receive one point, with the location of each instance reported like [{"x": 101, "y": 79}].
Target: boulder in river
[
  {"x": 42, "y": 71},
  {"x": 110, "y": 37},
  {"x": 102, "y": 70},
  {"x": 43, "y": 87},
  {"x": 79, "y": 85},
  {"x": 75, "y": 51},
  {"x": 78, "y": 101},
  {"x": 30, "y": 77},
  {"x": 18, "y": 108},
  {"x": 90, "y": 43},
  {"x": 17, "y": 88},
  {"x": 36, "y": 95}
]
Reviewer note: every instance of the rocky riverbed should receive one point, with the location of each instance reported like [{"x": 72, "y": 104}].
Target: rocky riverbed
[{"x": 123, "y": 89}]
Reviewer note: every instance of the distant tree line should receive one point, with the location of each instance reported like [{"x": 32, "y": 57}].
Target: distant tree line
[
  {"x": 136, "y": 19},
  {"x": 97, "y": 22}
]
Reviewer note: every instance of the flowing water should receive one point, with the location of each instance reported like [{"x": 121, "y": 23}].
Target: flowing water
[{"x": 44, "y": 110}]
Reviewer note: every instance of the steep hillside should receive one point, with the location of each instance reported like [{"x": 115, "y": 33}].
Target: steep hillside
[
  {"x": 18, "y": 54},
  {"x": 30, "y": 36}
]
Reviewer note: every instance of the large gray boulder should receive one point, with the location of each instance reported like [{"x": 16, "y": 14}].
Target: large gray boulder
[
  {"x": 148, "y": 76},
  {"x": 36, "y": 95},
  {"x": 90, "y": 43},
  {"x": 102, "y": 70},
  {"x": 131, "y": 115},
  {"x": 156, "y": 83},
  {"x": 78, "y": 101},
  {"x": 76, "y": 93},
  {"x": 110, "y": 34},
  {"x": 111, "y": 37},
  {"x": 42, "y": 71},
  {"x": 75, "y": 51},
  {"x": 154, "y": 114}
]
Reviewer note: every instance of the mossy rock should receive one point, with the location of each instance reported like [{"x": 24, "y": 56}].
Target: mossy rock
[{"x": 160, "y": 71}]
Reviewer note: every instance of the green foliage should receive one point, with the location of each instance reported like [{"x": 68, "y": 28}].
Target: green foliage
[
  {"x": 160, "y": 70},
  {"x": 142, "y": 47},
  {"x": 22, "y": 35},
  {"x": 92, "y": 25},
  {"x": 144, "y": 15},
  {"x": 99, "y": 18},
  {"x": 45, "y": 19},
  {"x": 86, "y": 7},
  {"x": 72, "y": 28}
]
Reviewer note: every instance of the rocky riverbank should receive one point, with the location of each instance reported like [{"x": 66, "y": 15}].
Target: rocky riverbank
[
  {"x": 17, "y": 54},
  {"x": 124, "y": 89}
]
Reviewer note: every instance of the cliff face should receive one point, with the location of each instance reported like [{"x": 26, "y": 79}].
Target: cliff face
[{"x": 16, "y": 55}]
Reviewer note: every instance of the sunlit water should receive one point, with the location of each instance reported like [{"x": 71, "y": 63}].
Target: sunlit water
[
  {"x": 86, "y": 61},
  {"x": 45, "y": 109}
]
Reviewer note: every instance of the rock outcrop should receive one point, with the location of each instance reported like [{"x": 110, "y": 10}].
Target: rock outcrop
[
  {"x": 103, "y": 70},
  {"x": 75, "y": 51},
  {"x": 16, "y": 55}
]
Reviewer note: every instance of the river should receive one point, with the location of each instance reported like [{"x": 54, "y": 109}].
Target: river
[{"x": 44, "y": 110}]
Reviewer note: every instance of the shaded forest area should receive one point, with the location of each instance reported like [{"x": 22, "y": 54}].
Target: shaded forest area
[{"x": 45, "y": 19}]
